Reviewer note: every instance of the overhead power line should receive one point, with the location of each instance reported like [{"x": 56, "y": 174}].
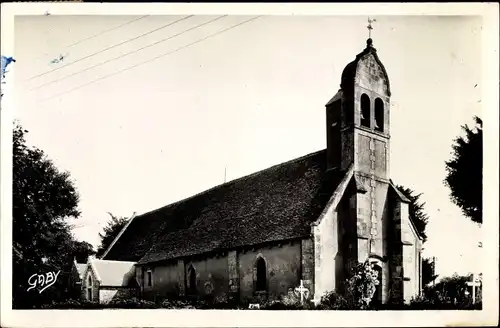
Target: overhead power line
[
  {"x": 152, "y": 59},
  {"x": 110, "y": 47},
  {"x": 128, "y": 53},
  {"x": 97, "y": 34}
]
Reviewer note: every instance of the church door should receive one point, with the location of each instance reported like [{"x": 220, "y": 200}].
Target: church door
[
  {"x": 192, "y": 281},
  {"x": 261, "y": 284}
]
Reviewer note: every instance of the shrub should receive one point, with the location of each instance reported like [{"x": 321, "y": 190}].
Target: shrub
[
  {"x": 280, "y": 305},
  {"x": 132, "y": 303},
  {"x": 177, "y": 304},
  {"x": 361, "y": 286},
  {"x": 333, "y": 301}
]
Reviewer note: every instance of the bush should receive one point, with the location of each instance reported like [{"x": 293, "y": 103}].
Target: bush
[
  {"x": 280, "y": 305},
  {"x": 133, "y": 303},
  {"x": 333, "y": 301},
  {"x": 72, "y": 304},
  {"x": 176, "y": 304},
  {"x": 361, "y": 286}
]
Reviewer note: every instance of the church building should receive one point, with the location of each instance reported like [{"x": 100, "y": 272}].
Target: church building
[{"x": 310, "y": 219}]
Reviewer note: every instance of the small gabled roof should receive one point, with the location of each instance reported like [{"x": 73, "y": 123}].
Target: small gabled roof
[{"x": 112, "y": 273}]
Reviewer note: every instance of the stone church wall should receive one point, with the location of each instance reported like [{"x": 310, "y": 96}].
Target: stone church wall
[
  {"x": 325, "y": 252},
  {"x": 211, "y": 275},
  {"x": 411, "y": 264},
  {"x": 283, "y": 265},
  {"x": 372, "y": 227},
  {"x": 405, "y": 255},
  {"x": 164, "y": 280}
]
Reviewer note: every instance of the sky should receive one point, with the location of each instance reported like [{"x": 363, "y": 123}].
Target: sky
[{"x": 241, "y": 101}]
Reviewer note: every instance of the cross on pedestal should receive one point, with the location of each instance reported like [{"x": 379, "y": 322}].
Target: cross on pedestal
[
  {"x": 302, "y": 291},
  {"x": 474, "y": 283}
]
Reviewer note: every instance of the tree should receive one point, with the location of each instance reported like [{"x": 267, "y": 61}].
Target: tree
[
  {"x": 44, "y": 198},
  {"x": 110, "y": 231},
  {"x": 428, "y": 271},
  {"x": 465, "y": 172},
  {"x": 81, "y": 250}
]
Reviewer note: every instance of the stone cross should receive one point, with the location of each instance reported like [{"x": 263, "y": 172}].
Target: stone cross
[
  {"x": 303, "y": 291},
  {"x": 474, "y": 283},
  {"x": 369, "y": 27}
]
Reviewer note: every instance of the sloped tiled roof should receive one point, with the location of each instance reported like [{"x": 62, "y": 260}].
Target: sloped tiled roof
[
  {"x": 113, "y": 273},
  {"x": 278, "y": 203}
]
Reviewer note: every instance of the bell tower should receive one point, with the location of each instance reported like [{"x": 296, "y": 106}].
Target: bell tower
[
  {"x": 358, "y": 134},
  {"x": 358, "y": 129},
  {"x": 374, "y": 215}
]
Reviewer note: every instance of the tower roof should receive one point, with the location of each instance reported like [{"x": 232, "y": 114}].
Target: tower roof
[{"x": 349, "y": 74}]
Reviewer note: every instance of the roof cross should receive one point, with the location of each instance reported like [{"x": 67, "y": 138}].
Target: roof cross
[{"x": 369, "y": 27}]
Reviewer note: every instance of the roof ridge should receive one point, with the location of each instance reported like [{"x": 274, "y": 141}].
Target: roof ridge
[
  {"x": 233, "y": 181},
  {"x": 99, "y": 260}
]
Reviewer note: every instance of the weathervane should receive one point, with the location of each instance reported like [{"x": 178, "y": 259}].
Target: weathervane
[{"x": 369, "y": 27}]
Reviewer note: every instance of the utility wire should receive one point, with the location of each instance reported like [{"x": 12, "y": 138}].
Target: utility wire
[
  {"x": 152, "y": 59},
  {"x": 110, "y": 47},
  {"x": 97, "y": 34},
  {"x": 126, "y": 54}
]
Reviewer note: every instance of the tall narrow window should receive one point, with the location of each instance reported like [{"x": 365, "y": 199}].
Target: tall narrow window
[
  {"x": 150, "y": 278},
  {"x": 261, "y": 275},
  {"x": 365, "y": 110},
  {"x": 89, "y": 288},
  {"x": 192, "y": 280},
  {"x": 379, "y": 115}
]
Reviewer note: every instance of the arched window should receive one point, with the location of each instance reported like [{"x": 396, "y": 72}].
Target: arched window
[
  {"x": 379, "y": 115},
  {"x": 150, "y": 278},
  {"x": 261, "y": 283},
  {"x": 365, "y": 110},
  {"x": 89, "y": 288},
  {"x": 192, "y": 280}
]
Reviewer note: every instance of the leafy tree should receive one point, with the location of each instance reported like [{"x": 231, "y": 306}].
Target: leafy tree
[
  {"x": 465, "y": 172},
  {"x": 110, "y": 231},
  {"x": 81, "y": 250},
  {"x": 428, "y": 275},
  {"x": 44, "y": 198}
]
